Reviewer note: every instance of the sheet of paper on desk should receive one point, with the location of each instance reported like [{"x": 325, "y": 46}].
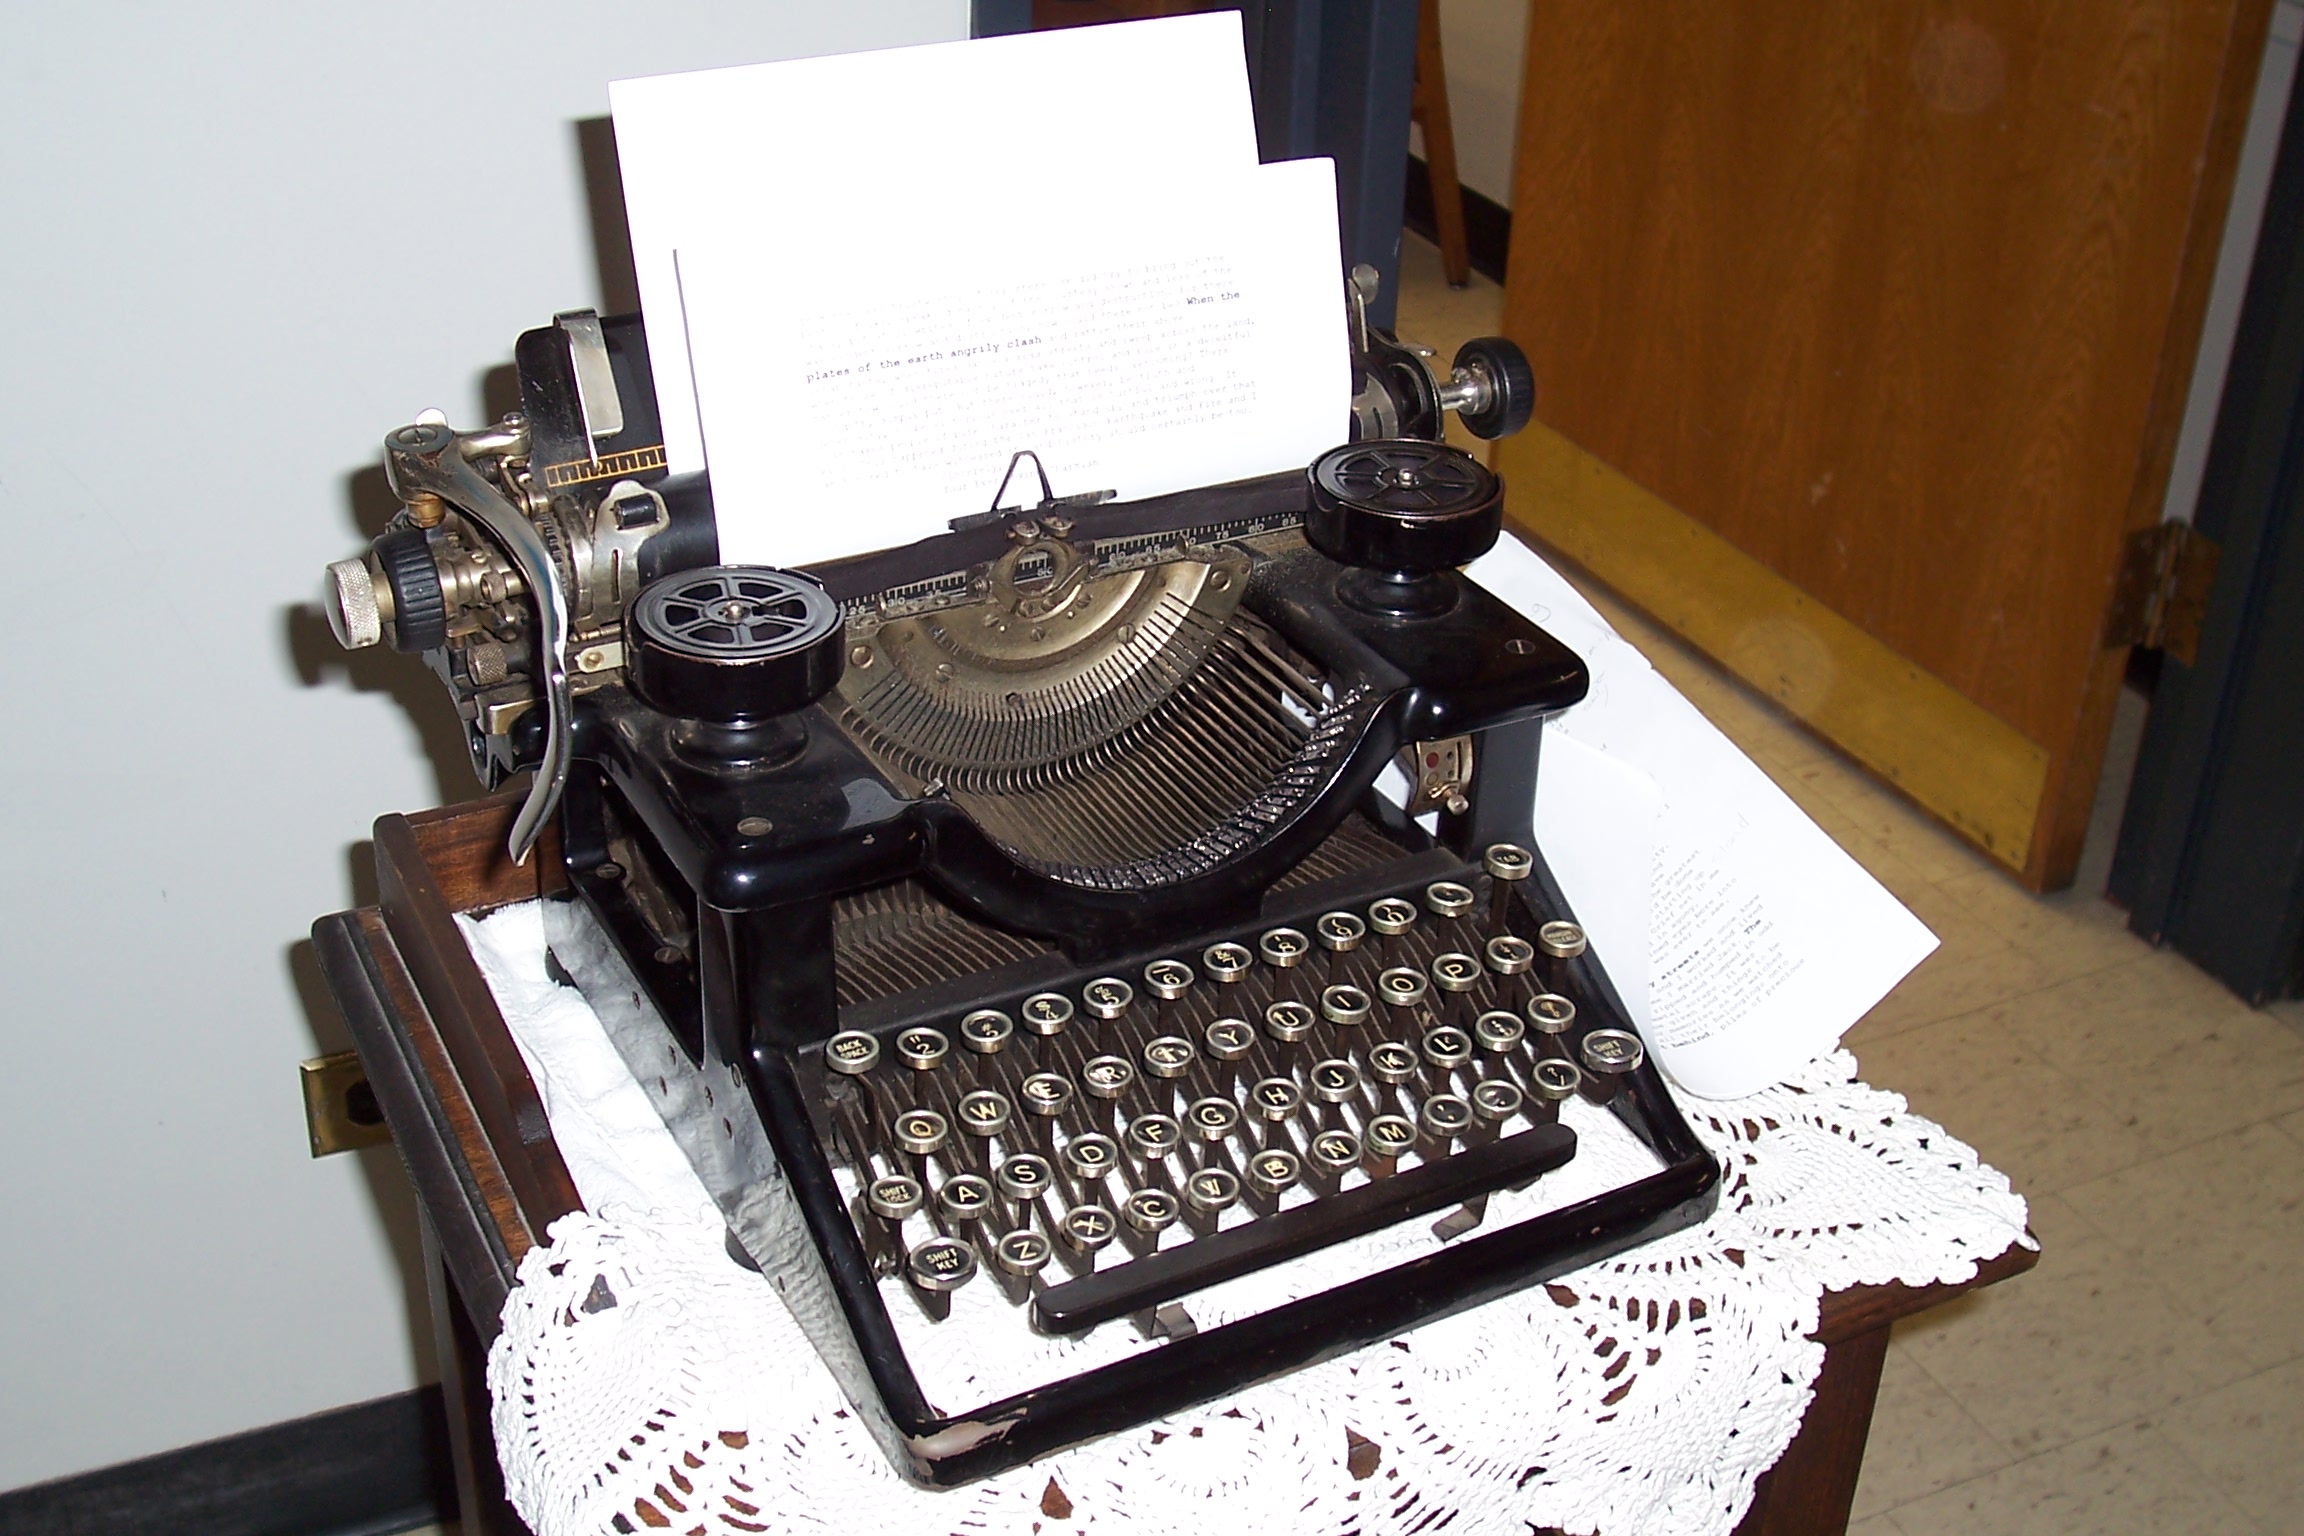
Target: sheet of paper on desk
[
  {"x": 802, "y": 146},
  {"x": 1765, "y": 940},
  {"x": 1153, "y": 338}
]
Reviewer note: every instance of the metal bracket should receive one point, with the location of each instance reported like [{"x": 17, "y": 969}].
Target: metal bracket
[
  {"x": 596, "y": 398},
  {"x": 1438, "y": 774},
  {"x": 340, "y": 1109},
  {"x": 2161, "y": 598}
]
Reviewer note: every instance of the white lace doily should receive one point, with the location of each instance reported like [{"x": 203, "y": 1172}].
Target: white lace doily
[{"x": 642, "y": 1381}]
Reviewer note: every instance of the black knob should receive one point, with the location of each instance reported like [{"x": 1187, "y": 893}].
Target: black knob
[
  {"x": 1404, "y": 513},
  {"x": 734, "y": 644},
  {"x": 1506, "y": 393},
  {"x": 419, "y": 608}
]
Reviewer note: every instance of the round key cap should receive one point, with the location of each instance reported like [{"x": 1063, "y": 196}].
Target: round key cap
[
  {"x": 1496, "y": 1099},
  {"x": 1560, "y": 940},
  {"x": 1448, "y": 898},
  {"x": 1402, "y": 987},
  {"x": 1276, "y": 1098},
  {"x": 1168, "y": 979},
  {"x": 1455, "y": 972},
  {"x": 1107, "y": 997},
  {"x": 1507, "y": 861},
  {"x": 1212, "y": 1190},
  {"x": 1047, "y": 1013},
  {"x": 1091, "y": 1156},
  {"x": 1334, "y": 1082},
  {"x": 1046, "y": 1093},
  {"x": 964, "y": 1197},
  {"x": 1212, "y": 1119},
  {"x": 1336, "y": 1150},
  {"x": 1339, "y": 933},
  {"x": 1288, "y": 1020},
  {"x": 1510, "y": 955},
  {"x": 1497, "y": 1031},
  {"x": 1444, "y": 1115},
  {"x": 921, "y": 1131},
  {"x": 1022, "y": 1252},
  {"x": 1390, "y": 1135},
  {"x": 1391, "y": 916},
  {"x": 922, "y": 1048},
  {"x": 1153, "y": 1137},
  {"x": 1344, "y": 1004},
  {"x": 1551, "y": 1013},
  {"x": 1107, "y": 1077},
  {"x": 1392, "y": 1062},
  {"x": 1556, "y": 1079},
  {"x": 1282, "y": 947},
  {"x": 1274, "y": 1169},
  {"x": 1150, "y": 1210},
  {"x": 1226, "y": 961},
  {"x": 1026, "y": 1176},
  {"x": 983, "y": 1112},
  {"x": 940, "y": 1264},
  {"x": 987, "y": 1031},
  {"x": 1610, "y": 1052},
  {"x": 851, "y": 1053},
  {"x": 895, "y": 1197},
  {"x": 1229, "y": 1039},
  {"x": 1447, "y": 1047},
  {"x": 1086, "y": 1228},
  {"x": 1169, "y": 1056}
]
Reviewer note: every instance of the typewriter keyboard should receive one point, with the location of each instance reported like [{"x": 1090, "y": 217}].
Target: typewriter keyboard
[{"x": 1100, "y": 1150}]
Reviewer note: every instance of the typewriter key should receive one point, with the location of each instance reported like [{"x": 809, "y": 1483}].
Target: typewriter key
[
  {"x": 1551, "y": 1013},
  {"x": 1226, "y": 961},
  {"x": 1496, "y": 1099},
  {"x": 1498, "y": 1031},
  {"x": 921, "y": 1132},
  {"x": 1444, "y": 1116},
  {"x": 1107, "y": 997},
  {"x": 1340, "y": 932},
  {"x": 1086, "y": 1228},
  {"x": 983, "y": 1113},
  {"x": 922, "y": 1048},
  {"x": 1335, "y": 1082},
  {"x": 987, "y": 1031},
  {"x": 1446, "y": 1048},
  {"x": 894, "y": 1197},
  {"x": 1212, "y": 1190},
  {"x": 1091, "y": 1156},
  {"x": 1169, "y": 1056},
  {"x": 1391, "y": 916},
  {"x": 1168, "y": 979},
  {"x": 1276, "y": 1098},
  {"x": 1229, "y": 1039},
  {"x": 964, "y": 1197},
  {"x": 1047, "y": 1013},
  {"x": 1213, "y": 1119},
  {"x": 1344, "y": 1004},
  {"x": 940, "y": 1264},
  {"x": 1026, "y": 1176},
  {"x": 1046, "y": 1093},
  {"x": 1107, "y": 1077},
  {"x": 1402, "y": 987},
  {"x": 1556, "y": 1079},
  {"x": 851, "y": 1053},
  {"x": 1560, "y": 940},
  {"x": 1336, "y": 1150},
  {"x": 1510, "y": 955},
  {"x": 1022, "y": 1252},
  {"x": 1611, "y": 1052},
  {"x": 1392, "y": 1062},
  {"x": 1448, "y": 898},
  {"x": 1507, "y": 862},
  {"x": 1283, "y": 947},
  {"x": 1153, "y": 1137},
  {"x": 1272, "y": 1171},
  {"x": 1455, "y": 972},
  {"x": 1390, "y": 1135},
  {"x": 1288, "y": 1020},
  {"x": 1150, "y": 1210}
]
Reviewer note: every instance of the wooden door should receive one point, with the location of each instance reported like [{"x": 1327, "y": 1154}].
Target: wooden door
[{"x": 1862, "y": 331}]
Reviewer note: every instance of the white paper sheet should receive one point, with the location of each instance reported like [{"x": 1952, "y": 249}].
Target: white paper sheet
[
  {"x": 1596, "y": 820},
  {"x": 809, "y": 146}
]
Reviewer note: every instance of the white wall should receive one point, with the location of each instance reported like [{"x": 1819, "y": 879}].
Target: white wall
[
  {"x": 1482, "y": 46},
  {"x": 239, "y": 242}
]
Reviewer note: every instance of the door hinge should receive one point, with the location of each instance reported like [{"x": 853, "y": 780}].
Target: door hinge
[{"x": 2162, "y": 595}]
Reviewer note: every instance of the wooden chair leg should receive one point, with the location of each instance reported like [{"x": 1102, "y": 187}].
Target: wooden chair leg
[
  {"x": 482, "y": 1509},
  {"x": 1430, "y": 110}
]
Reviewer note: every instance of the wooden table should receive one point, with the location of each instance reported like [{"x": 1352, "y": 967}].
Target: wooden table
[{"x": 471, "y": 1129}]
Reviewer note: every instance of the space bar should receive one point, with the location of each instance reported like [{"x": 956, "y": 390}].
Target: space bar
[{"x": 1161, "y": 1276}]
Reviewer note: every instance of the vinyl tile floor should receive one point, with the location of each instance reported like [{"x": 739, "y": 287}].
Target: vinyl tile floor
[{"x": 2148, "y": 1376}]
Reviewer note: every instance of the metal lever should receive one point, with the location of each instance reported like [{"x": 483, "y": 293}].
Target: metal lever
[{"x": 596, "y": 398}]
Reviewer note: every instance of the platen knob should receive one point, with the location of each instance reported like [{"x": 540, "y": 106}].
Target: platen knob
[
  {"x": 734, "y": 643},
  {"x": 1404, "y": 513},
  {"x": 349, "y": 595}
]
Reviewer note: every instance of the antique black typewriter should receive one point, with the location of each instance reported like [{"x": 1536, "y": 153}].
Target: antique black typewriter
[{"x": 1015, "y": 922}]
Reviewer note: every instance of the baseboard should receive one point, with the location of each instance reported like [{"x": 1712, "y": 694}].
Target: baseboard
[
  {"x": 1487, "y": 223},
  {"x": 368, "y": 1470}
]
